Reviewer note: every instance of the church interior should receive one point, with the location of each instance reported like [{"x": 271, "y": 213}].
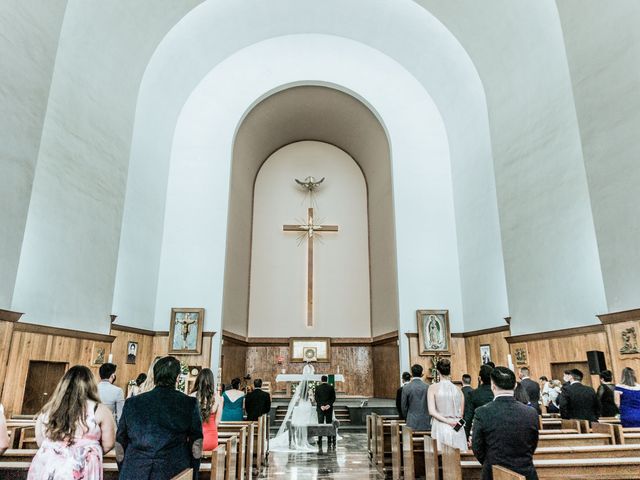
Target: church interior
[{"x": 355, "y": 187}]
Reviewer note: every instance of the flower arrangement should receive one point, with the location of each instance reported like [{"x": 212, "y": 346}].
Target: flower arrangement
[
  {"x": 434, "y": 371},
  {"x": 182, "y": 379}
]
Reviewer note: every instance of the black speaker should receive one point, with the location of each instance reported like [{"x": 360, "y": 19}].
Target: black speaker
[{"x": 596, "y": 361}]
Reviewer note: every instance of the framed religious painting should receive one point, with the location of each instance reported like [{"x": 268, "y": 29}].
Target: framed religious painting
[
  {"x": 434, "y": 335},
  {"x": 309, "y": 350},
  {"x": 185, "y": 331},
  {"x": 485, "y": 354}
]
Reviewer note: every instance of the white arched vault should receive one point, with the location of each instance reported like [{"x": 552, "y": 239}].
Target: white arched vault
[
  {"x": 417, "y": 43},
  {"x": 198, "y": 181}
]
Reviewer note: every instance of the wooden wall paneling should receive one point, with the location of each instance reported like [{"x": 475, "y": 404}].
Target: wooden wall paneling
[
  {"x": 6, "y": 334},
  {"x": 355, "y": 362},
  {"x": 26, "y": 346},
  {"x": 499, "y": 351},
  {"x": 542, "y": 352},
  {"x": 386, "y": 369},
  {"x": 127, "y": 372},
  {"x": 234, "y": 360},
  {"x": 618, "y": 360},
  {"x": 161, "y": 349}
]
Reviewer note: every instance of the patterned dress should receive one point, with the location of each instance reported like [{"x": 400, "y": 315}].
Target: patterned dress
[{"x": 81, "y": 460}]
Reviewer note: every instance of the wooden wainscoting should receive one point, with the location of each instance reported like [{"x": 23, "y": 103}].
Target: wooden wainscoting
[{"x": 386, "y": 365}]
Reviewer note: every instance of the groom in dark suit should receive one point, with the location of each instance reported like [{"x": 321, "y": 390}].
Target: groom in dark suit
[
  {"x": 325, "y": 396},
  {"x": 505, "y": 431}
]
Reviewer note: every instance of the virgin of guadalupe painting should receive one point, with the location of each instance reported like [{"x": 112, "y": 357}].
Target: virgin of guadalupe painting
[
  {"x": 185, "y": 331},
  {"x": 433, "y": 331}
]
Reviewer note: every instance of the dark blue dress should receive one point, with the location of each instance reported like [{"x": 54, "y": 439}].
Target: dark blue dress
[
  {"x": 157, "y": 430},
  {"x": 629, "y": 406}
]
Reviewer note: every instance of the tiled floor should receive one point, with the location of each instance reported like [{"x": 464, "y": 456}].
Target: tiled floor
[{"x": 349, "y": 461}]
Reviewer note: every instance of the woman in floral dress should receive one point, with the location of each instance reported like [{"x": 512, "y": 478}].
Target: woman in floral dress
[{"x": 73, "y": 431}]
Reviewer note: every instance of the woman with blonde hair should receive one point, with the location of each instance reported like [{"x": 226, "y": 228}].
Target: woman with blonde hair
[
  {"x": 211, "y": 405},
  {"x": 73, "y": 431},
  {"x": 149, "y": 384}
]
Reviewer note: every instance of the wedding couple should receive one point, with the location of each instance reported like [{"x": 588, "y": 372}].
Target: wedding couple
[{"x": 293, "y": 433}]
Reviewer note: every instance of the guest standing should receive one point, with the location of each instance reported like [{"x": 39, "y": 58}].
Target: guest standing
[
  {"x": 606, "y": 395},
  {"x": 73, "y": 430},
  {"x": 233, "y": 399},
  {"x": 466, "y": 387},
  {"x": 555, "y": 390},
  {"x": 4, "y": 435},
  {"x": 446, "y": 405},
  {"x": 414, "y": 401},
  {"x": 521, "y": 395},
  {"x": 479, "y": 397},
  {"x": 505, "y": 432},
  {"x": 160, "y": 432},
  {"x": 211, "y": 405},
  {"x": 532, "y": 388},
  {"x": 111, "y": 396},
  {"x": 325, "y": 396},
  {"x": 406, "y": 378},
  {"x": 258, "y": 402},
  {"x": 545, "y": 386},
  {"x": 628, "y": 398},
  {"x": 578, "y": 401},
  {"x": 136, "y": 389}
]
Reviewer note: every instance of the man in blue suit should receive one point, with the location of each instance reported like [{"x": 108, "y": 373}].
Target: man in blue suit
[{"x": 160, "y": 432}]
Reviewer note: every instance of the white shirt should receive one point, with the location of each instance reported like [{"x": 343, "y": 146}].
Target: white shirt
[
  {"x": 510, "y": 394},
  {"x": 111, "y": 397}
]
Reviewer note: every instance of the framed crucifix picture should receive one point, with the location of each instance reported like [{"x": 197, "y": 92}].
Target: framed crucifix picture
[
  {"x": 433, "y": 332},
  {"x": 185, "y": 331}
]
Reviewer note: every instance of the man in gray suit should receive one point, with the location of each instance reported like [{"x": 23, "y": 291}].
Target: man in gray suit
[{"x": 414, "y": 401}]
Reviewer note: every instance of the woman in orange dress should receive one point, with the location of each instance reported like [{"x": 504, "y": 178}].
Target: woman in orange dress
[{"x": 210, "y": 408}]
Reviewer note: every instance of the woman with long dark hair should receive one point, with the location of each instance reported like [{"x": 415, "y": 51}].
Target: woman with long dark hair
[
  {"x": 73, "y": 430},
  {"x": 211, "y": 405}
]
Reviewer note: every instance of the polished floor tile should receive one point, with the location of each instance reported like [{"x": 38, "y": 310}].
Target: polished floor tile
[{"x": 350, "y": 460}]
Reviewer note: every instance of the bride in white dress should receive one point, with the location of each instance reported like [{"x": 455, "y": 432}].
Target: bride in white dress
[
  {"x": 446, "y": 405},
  {"x": 292, "y": 434}
]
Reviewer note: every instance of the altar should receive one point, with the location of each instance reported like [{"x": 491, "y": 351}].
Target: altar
[{"x": 290, "y": 378}]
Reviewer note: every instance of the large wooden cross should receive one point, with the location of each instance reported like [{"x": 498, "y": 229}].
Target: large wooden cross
[{"x": 310, "y": 228}]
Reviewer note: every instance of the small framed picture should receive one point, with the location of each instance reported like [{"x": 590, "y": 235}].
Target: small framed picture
[
  {"x": 522, "y": 356},
  {"x": 433, "y": 332},
  {"x": 185, "y": 332},
  {"x": 485, "y": 354},
  {"x": 132, "y": 352},
  {"x": 310, "y": 354},
  {"x": 98, "y": 356}
]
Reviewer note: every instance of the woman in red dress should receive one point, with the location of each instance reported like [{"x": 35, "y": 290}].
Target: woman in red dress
[{"x": 210, "y": 408}]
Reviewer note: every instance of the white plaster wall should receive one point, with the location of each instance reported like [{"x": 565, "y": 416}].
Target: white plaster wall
[
  {"x": 603, "y": 49},
  {"x": 192, "y": 262},
  {"x": 551, "y": 258},
  {"x": 29, "y": 31},
  {"x": 278, "y": 285},
  {"x": 399, "y": 29},
  {"x": 70, "y": 248}
]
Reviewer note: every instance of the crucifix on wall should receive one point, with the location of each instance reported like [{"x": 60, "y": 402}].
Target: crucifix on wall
[{"x": 309, "y": 229}]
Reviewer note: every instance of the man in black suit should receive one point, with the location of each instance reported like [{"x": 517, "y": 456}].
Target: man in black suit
[
  {"x": 325, "y": 396},
  {"x": 479, "y": 397},
  {"x": 258, "y": 402},
  {"x": 160, "y": 432},
  {"x": 579, "y": 401},
  {"x": 406, "y": 378},
  {"x": 531, "y": 387},
  {"x": 466, "y": 387},
  {"x": 505, "y": 432}
]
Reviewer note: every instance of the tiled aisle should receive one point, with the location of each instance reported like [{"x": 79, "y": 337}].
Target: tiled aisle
[{"x": 349, "y": 461}]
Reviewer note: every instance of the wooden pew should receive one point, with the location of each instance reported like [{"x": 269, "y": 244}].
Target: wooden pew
[
  {"x": 186, "y": 474},
  {"x": 213, "y": 463},
  {"x": 586, "y": 468},
  {"x": 501, "y": 473},
  {"x": 575, "y": 439},
  {"x": 233, "y": 457},
  {"x": 588, "y": 451},
  {"x": 413, "y": 455},
  {"x": 573, "y": 425},
  {"x": 558, "y": 432},
  {"x": 624, "y": 436},
  {"x": 384, "y": 453},
  {"x": 245, "y": 446},
  {"x": 431, "y": 459}
]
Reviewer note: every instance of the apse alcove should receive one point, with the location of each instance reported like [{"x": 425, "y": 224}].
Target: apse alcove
[{"x": 333, "y": 117}]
